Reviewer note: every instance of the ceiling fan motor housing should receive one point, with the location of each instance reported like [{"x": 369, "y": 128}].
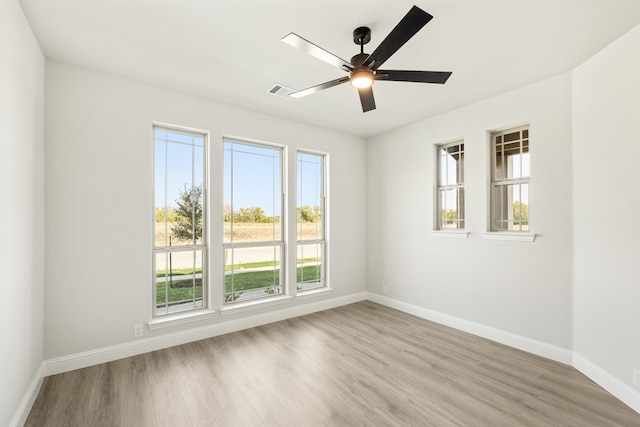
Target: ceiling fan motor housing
[
  {"x": 358, "y": 60},
  {"x": 362, "y": 35}
]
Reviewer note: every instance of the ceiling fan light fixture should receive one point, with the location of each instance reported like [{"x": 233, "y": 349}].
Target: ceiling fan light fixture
[{"x": 361, "y": 79}]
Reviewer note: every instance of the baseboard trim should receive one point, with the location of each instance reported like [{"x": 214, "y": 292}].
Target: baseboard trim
[
  {"x": 539, "y": 348},
  {"x": 29, "y": 398},
  {"x": 133, "y": 348},
  {"x": 613, "y": 385}
]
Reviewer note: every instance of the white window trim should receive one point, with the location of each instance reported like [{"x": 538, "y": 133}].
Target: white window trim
[
  {"x": 170, "y": 318},
  {"x": 285, "y": 296},
  {"x": 313, "y": 293},
  {"x": 324, "y": 215},
  {"x": 180, "y": 318},
  {"x": 237, "y": 307},
  {"x": 450, "y": 234},
  {"x": 506, "y": 235},
  {"x": 438, "y": 231}
]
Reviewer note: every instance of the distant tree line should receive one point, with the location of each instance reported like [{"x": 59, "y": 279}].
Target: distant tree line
[
  {"x": 256, "y": 214},
  {"x": 253, "y": 214},
  {"x": 186, "y": 217},
  {"x": 520, "y": 213},
  {"x": 525, "y": 212}
]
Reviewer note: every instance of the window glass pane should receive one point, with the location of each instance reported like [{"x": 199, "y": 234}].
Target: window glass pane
[
  {"x": 226, "y": 189},
  {"x": 498, "y": 162},
  {"x": 451, "y": 165},
  {"x": 161, "y": 222},
  {"x": 511, "y": 207},
  {"x": 179, "y": 178},
  {"x": 450, "y": 209},
  {"x": 521, "y": 208},
  {"x": 525, "y": 158},
  {"x": 511, "y": 157},
  {"x": 512, "y": 136},
  {"x": 452, "y": 169},
  {"x": 309, "y": 266},
  {"x": 442, "y": 166},
  {"x": 310, "y": 221},
  {"x": 309, "y": 207},
  {"x": 179, "y": 281},
  {"x": 512, "y": 168},
  {"x": 252, "y": 193},
  {"x": 460, "y": 208},
  {"x": 499, "y": 194},
  {"x": 460, "y": 177},
  {"x": 197, "y": 193},
  {"x": 252, "y": 272}
]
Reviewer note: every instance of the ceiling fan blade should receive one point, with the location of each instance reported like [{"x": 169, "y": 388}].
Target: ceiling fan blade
[
  {"x": 408, "y": 26},
  {"x": 366, "y": 99},
  {"x": 318, "y": 88},
  {"x": 295, "y": 40},
  {"x": 413, "y": 76}
]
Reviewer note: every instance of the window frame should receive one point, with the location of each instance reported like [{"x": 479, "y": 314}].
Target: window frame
[
  {"x": 459, "y": 186},
  {"x": 203, "y": 246},
  {"x": 501, "y": 182},
  {"x": 230, "y": 305},
  {"x": 323, "y": 241}
]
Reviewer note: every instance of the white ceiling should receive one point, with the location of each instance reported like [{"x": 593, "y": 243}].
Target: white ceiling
[{"x": 230, "y": 50}]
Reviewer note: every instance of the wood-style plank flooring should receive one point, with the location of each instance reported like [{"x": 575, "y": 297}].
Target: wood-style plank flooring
[{"x": 357, "y": 365}]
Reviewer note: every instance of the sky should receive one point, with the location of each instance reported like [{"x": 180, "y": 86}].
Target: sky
[
  {"x": 253, "y": 177},
  {"x": 180, "y": 159},
  {"x": 253, "y": 172}
]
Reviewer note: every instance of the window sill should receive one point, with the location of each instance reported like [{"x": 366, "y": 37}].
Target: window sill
[
  {"x": 458, "y": 234},
  {"x": 314, "y": 293},
  {"x": 178, "y": 319},
  {"x": 252, "y": 305},
  {"x": 517, "y": 237}
]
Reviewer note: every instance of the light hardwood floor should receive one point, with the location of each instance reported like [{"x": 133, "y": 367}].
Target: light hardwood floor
[{"x": 361, "y": 365}]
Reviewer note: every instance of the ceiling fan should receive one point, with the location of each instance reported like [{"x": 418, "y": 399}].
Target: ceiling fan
[{"x": 363, "y": 68}]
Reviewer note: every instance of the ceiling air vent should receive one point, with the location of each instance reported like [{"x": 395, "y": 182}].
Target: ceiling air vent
[{"x": 280, "y": 90}]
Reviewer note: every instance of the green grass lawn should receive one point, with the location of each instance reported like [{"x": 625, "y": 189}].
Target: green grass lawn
[
  {"x": 242, "y": 281},
  {"x": 185, "y": 271},
  {"x": 176, "y": 294}
]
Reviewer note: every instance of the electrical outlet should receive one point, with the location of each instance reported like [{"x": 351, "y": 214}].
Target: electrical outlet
[
  {"x": 636, "y": 377},
  {"x": 138, "y": 330},
  {"x": 385, "y": 290}
]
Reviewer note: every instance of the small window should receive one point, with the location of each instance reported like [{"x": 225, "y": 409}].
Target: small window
[
  {"x": 310, "y": 221},
  {"x": 450, "y": 191},
  {"x": 253, "y": 234},
  {"x": 510, "y": 180},
  {"x": 179, "y": 248}
]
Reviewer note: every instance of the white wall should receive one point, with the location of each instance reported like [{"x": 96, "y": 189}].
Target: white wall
[
  {"x": 21, "y": 208},
  {"x": 99, "y": 206},
  {"x": 518, "y": 287},
  {"x": 606, "y": 126}
]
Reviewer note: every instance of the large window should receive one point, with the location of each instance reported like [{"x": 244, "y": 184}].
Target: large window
[
  {"x": 510, "y": 180},
  {"x": 450, "y": 192},
  {"x": 310, "y": 221},
  {"x": 253, "y": 237},
  {"x": 179, "y": 248}
]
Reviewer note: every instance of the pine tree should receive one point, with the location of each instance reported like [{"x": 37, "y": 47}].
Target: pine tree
[{"x": 187, "y": 226}]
